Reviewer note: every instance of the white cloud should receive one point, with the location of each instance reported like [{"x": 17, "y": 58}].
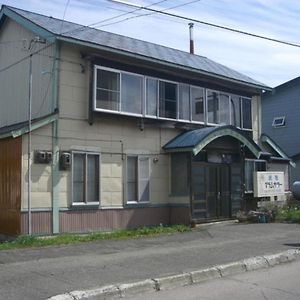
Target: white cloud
[{"x": 265, "y": 61}]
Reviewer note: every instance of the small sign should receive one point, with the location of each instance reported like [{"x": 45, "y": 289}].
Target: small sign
[{"x": 268, "y": 184}]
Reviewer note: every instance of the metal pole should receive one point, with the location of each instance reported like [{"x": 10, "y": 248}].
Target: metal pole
[{"x": 29, "y": 146}]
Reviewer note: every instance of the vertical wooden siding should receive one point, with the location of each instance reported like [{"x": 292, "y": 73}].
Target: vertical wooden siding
[{"x": 10, "y": 186}]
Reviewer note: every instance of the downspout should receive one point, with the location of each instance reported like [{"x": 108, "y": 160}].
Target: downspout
[
  {"x": 29, "y": 146},
  {"x": 55, "y": 146}
]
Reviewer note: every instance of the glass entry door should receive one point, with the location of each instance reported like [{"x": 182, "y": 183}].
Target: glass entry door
[{"x": 211, "y": 191}]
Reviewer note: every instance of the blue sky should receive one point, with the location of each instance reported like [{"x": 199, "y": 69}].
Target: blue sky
[{"x": 268, "y": 62}]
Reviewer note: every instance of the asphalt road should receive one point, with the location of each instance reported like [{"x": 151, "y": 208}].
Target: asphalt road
[
  {"x": 277, "y": 283},
  {"x": 41, "y": 273}
]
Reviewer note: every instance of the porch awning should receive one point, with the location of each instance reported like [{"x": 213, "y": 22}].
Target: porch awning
[{"x": 196, "y": 140}]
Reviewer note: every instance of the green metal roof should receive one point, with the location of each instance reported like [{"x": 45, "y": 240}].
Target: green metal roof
[{"x": 196, "y": 140}]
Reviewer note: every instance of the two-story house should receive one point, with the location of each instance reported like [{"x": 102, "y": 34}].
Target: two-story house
[{"x": 100, "y": 131}]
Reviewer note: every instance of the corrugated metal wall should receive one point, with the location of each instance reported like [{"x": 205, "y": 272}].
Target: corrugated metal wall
[
  {"x": 14, "y": 77},
  {"x": 10, "y": 186}
]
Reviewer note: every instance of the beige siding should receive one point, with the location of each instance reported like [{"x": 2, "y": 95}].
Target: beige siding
[
  {"x": 14, "y": 81},
  {"x": 41, "y": 174}
]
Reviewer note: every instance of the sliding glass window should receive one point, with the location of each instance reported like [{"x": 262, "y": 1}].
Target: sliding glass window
[
  {"x": 167, "y": 100},
  {"x": 151, "y": 96},
  {"x": 224, "y": 115},
  {"x": 235, "y": 105},
  {"x": 197, "y": 95},
  {"x": 131, "y": 93},
  {"x": 212, "y": 107},
  {"x": 184, "y": 102},
  {"x": 246, "y": 113}
]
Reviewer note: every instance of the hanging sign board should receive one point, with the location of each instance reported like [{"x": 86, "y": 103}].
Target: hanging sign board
[{"x": 268, "y": 184}]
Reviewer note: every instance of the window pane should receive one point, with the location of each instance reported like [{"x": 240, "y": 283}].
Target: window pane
[
  {"x": 235, "y": 111},
  {"x": 197, "y": 95},
  {"x": 92, "y": 178},
  {"x": 78, "y": 177},
  {"x": 132, "y": 93},
  {"x": 107, "y": 100},
  {"x": 167, "y": 100},
  {"x": 132, "y": 179},
  {"x": 108, "y": 90},
  {"x": 151, "y": 96},
  {"x": 249, "y": 169},
  {"x": 184, "y": 102},
  {"x": 247, "y": 116},
  {"x": 144, "y": 177},
  {"x": 179, "y": 185},
  {"x": 212, "y": 107},
  {"x": 224, "y": 117}
]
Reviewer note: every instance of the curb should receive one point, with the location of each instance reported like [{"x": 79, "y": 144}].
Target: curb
[{"x": 183, "y": 279}]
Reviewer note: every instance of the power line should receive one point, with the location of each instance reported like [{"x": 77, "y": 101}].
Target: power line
[
  {"x": 84, "y": 27},
  {"x": 152, "y": 13},
  {"x": 24, "y": 58},
  {"x": 207, "y": 23}
]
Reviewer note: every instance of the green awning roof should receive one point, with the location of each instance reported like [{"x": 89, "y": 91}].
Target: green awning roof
[{"x": 195, "y": 140}]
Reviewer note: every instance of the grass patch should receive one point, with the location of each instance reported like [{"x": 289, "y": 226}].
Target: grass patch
[
  {"x": 289, "y": 214},
  {"x": 65, "y": 239}
]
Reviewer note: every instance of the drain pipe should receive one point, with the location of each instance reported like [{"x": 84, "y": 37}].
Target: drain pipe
[{"x": 29, "y": 146}]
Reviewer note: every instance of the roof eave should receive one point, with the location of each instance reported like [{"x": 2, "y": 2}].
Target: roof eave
[{"x": 162, "y": 62}]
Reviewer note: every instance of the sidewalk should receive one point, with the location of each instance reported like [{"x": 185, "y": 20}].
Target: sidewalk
[{"x": 45, "y": 272}]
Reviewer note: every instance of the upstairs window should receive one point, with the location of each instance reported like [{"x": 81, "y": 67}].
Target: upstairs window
[
  {"x": 278, "y": 122},
  {"x": 167, "y": 100},
  {"x": 131, "y": 93},
  {"x": 212, "y": 107},
  {"x": 246, "y": 113},
  {"x": 107, "y": 90},
  {"x": 184, "y": 102},
  {"x": 197, "y": 95},
  {"x": 126, "y": 93},
  {"x": 235, "y": 104}
]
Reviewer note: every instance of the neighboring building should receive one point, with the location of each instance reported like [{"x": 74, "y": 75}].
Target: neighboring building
[
  {"x": 281, "y": 121},
  {"x": 124, "y": 133}
]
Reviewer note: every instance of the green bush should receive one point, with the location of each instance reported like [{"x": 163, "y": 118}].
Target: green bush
[{"x": 289, "y": 214}]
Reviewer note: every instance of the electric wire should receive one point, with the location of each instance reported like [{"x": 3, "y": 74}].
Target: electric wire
[
  {"x": 148, "y": 14},
  {"x": 208, "y": 24}
]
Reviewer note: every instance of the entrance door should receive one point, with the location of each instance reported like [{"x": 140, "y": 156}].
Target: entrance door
[{"x": 211, "y": 192}]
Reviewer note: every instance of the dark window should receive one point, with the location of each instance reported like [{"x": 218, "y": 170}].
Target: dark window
[
  {"x": 167, "y": 100},
  {"x": 246, "y": 113},
  {"x": 278, "y": 122},
  {"x": 235, "y": 111},
  {"x": 179, "y": 178},
  {"x": 212, "y": 107},
  {"x": 197, "y": 95}
]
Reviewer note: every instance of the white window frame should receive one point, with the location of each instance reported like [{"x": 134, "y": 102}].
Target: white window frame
[
  {"x": 86, "y": 153},
  {"x": 157, "y": 116},
  {"x": 138, "y": 157},
  {"x": 281, "y": 124}
]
